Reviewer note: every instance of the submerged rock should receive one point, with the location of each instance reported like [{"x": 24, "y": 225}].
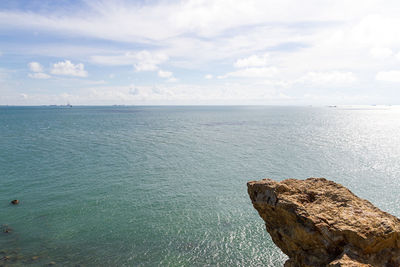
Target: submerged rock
[
  {"x": 317, "y": 222},
  {"x": 7, "y": 230},
  {"x": 6, "y": 258}
]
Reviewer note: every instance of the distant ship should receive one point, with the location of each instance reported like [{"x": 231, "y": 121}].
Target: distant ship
[{"x": 68, "y": 105}]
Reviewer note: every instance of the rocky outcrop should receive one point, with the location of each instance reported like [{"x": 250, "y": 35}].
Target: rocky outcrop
[{"x": 317, "y": 222}]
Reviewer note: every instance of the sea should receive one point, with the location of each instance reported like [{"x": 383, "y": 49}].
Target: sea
[{"x": 166, "y": 185}]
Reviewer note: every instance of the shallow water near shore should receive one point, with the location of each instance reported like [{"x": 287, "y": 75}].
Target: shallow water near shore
[{"x": 149, "y": 186}]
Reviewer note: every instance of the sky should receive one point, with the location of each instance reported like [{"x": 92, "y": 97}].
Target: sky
[{"x": 194, "y": 52}]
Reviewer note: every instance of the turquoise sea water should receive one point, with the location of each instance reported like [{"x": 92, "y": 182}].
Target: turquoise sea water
[{"x": 166, "y": 186}]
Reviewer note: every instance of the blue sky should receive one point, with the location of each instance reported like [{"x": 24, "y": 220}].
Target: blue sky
[{"x": 199, "y": 52}]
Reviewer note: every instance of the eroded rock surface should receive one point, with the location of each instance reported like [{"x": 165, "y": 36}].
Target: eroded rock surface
[{"x": 317, "y": 222}]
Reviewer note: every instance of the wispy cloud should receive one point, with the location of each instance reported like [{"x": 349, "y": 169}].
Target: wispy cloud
[
  {"x": 328, "y": 78},
  {"x": 142, "y": 60},
  {"x": 264, "y": 72},
  {"x": 388, "y": 76},
  {"x": 381, "y": 52},
  {"x": 167, "y": 75},
  {"x": 39, "y": 75}
]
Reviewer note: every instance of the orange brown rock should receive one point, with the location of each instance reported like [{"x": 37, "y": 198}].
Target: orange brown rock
[{"x": 317, "y": 222}]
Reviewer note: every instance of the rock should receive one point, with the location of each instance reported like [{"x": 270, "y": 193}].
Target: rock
[
  {"x": 52, "y": 263},
  {"x": 35, "y": 258},
  {"x": 317, "y": 222},
  {"x": 6, "y": 258},
  {"x": 345, "y": 260},
  {"x": 7, "y": 230},
  {"x": 15, "y": 202}
]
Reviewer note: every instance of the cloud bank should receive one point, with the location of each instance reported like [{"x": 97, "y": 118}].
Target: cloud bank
[{"x": 264, "y": 49}]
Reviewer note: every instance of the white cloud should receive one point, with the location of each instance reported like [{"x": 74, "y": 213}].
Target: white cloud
[
  {"x": 242, "y": 93},
  {"x": 148, "y": 61},
  {"x": 376, "y": 30},
  {"x": 125, "y": 21},
  {"x": 96, "y": 82},
  {"x": 68, "y": 68},
  {"x": 208, "y": 76},
  {"x": 163, "y": 22},
  {"x": 202, "y": 35},
  {"x": 381, "y": 52},
  {"x": 328, "y": 78},
  {"x": 37, "y": 70},
  {"x": 388, "y": 76},
  {"x": 39, "y": 75},
  {"x": 35, "y": 67},
  {"x": 142, "y": 60},
  {"x": 252, "y": 61},
  {"x": 252, "y": 73},
  {"x": 172, "y": 79},
  {"x": 165, "y": 74},
  {"x": 232, "y": 93}
]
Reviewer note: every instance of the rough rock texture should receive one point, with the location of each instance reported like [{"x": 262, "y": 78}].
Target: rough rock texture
[{"x": 317, "y": 222}]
